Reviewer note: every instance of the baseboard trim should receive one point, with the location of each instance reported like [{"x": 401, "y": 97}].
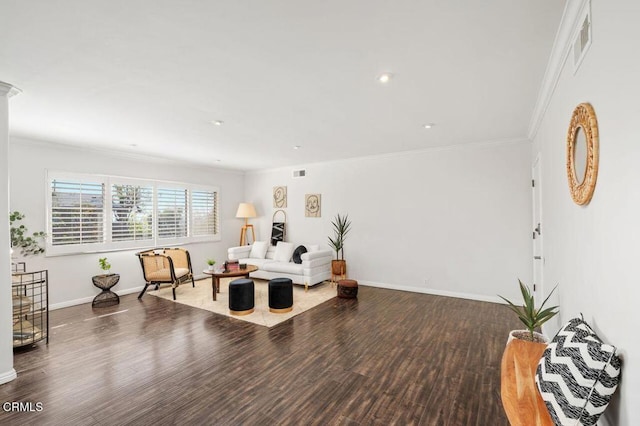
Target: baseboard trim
[
  {"x": 89, "y": 299},
  {"x": 433, "y": 291},
  {"x": 8, "y": 376}
]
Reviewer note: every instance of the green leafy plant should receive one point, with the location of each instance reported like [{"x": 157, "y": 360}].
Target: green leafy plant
[
  {"x": 104, "y": 265},
  {"x": 531, "y": 317},
  {"x": 20, "y": 239},
  {"x": 211, "y": 262},
  {"x": 341, "y": 226}
]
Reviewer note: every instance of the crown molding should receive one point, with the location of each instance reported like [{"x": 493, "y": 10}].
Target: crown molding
[
  {"x": 8, "y": 90},
  {"x": 141, "y": 157},
  {"x": 390, "y": 155},
  {"x": 573, "y": 11}
]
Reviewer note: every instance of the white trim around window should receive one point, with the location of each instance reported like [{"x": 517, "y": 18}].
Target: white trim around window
[{"x": 89, "y": 213}]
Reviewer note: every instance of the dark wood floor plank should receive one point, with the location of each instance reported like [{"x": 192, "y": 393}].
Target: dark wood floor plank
[{"x": 390, "y": 357}]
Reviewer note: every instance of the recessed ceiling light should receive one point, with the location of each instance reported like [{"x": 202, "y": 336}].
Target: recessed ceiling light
[
  {"x": 297, "y": 147},
  {"x": 133, "y": 144},
  {"x": 385, "y": 77},
  {"x": 428, "y": 125},
  {"x": 218, "y": 122}
]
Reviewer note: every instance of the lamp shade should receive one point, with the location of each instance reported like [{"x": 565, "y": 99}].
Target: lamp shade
[{"x": 246, "y": 210}]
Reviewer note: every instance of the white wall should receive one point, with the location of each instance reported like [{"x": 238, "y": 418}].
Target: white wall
[
  {"x": 453, "y": 221},
  {"x": 592, "y": 251},
  {"x": 70, "y": 276}
]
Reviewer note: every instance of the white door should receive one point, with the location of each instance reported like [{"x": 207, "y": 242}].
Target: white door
[{"x": 536, "y": 233}]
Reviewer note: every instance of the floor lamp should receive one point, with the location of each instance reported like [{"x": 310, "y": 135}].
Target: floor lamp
[{"x": 245, "y": 211}]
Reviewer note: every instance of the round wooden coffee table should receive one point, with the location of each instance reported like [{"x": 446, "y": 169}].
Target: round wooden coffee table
[{"x": 215, "y": 277}]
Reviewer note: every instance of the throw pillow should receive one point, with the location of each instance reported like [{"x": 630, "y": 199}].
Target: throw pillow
[
  {"x": 313, "y": 247},
  {"x": 259, "y": 249},
  {"x": 297, "y": 253},
  {"x": 577, "y": 375},
  {"x": 283, "y": 252}
]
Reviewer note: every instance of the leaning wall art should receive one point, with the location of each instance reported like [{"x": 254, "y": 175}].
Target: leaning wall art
[{"x": 279, "y": 197}]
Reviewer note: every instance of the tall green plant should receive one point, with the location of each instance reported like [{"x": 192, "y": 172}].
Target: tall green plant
[
  {"x": 531, "y": 317},
  {"x": 20, "y": 239},
  {"x": 341, "y": 227}
]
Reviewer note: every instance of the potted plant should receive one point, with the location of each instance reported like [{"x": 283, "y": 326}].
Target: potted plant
[
  {"x": 20, "y": 239},
  {"x": 211, "y": 262},
  {"x": 520, "y": 359},
  {"x": 104, "y": 282},
  {"x": 341, "y": 226}
]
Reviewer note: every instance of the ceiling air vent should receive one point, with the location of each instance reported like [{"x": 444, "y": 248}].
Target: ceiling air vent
[
  {"x": 582, "y": 40},
  {"x": 299, "y": 173}
]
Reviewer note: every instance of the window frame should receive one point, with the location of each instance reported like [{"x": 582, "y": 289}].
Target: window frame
[{"x": 107, "y": 243}]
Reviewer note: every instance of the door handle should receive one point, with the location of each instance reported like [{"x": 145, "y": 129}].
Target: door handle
[{"x": 537, "y": 257}]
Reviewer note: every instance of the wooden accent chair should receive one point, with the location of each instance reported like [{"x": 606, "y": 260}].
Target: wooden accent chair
[{"x": 171, "y": 266}]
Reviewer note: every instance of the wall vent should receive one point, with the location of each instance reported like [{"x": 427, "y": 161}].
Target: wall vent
[
  {"x": 299, "y": 173},
  {"x": 582, "y": 40}
]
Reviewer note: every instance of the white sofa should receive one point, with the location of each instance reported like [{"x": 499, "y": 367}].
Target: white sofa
[{"x": 276, "y": 262}]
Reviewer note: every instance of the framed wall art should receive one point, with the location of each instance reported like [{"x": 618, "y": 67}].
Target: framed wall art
[
  {"x": 312, "y": 205},
  {"x": 279, "y": 197}
]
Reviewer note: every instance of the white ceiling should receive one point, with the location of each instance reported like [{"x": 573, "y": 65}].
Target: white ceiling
[{"x": 279, "y": 73}]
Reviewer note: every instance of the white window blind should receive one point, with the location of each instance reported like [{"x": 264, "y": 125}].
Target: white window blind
[
  {"x": 204, "y": 213},
  {"x": 172, "y": 212},
  {"x": 132, "y": 212},
  {"x": 77, "y": 212}
]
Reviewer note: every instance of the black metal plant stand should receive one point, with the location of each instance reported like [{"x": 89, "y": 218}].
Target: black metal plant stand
[{"x": 106, "y": 297}]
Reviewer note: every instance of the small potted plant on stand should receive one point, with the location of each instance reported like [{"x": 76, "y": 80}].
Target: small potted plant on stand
[
  {"x": 341, "y": 226},
  {"x": 20, "y": 239},
  {"x": 520, "y": 397},
  {"x": 211, "y": 262},
  {"x": 105, "y": 282}
]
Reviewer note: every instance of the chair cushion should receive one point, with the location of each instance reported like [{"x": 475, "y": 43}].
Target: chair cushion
[
  {"x": 577, "y": 375},
  {"x": 259, "y": 249},
  {"x": 165, "y": 274},
  {"x": 284, "y": 251},
  {"x": 299, "y": 251}
]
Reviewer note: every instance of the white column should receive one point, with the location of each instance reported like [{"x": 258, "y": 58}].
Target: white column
[{"x": 7, "y": 372}]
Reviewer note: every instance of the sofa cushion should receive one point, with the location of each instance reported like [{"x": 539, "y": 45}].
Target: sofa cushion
[
  {"x": 253, "y": 261},
  {"x": 312, "y": 247},
  {"x": 299, "y": 251},
  {"x": 284, "y": 251},
  {"x": 577, "y": 375},
  {"x": 259, "y": 249},
  {"x": 283, "y": 267}
]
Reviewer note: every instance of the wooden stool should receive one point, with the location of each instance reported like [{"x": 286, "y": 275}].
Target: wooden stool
[{"x": 348, "y": 289}]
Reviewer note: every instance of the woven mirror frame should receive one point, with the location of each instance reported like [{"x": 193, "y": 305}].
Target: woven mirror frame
[{"x": 582, "y": 153}]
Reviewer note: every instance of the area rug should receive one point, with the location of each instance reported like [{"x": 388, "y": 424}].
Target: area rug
[{"x": 201, "y": 297}]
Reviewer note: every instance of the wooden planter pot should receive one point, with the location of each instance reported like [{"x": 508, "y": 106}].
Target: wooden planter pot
[
  {"x": 520, "y": 397},
  {"x": 338, "y": 269}
]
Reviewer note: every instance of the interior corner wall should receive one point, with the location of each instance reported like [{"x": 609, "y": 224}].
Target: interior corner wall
[
  {"x": 452, "y": 221},
  {"x": 70, "y": 276},
  {"x": 592, "y": 251}
]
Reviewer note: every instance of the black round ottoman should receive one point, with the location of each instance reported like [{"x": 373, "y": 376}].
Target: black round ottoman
[
  {"x": 241, "y": 297},
  {"x": 280, "y": 295},
  {"x": 348, "y": 289}
]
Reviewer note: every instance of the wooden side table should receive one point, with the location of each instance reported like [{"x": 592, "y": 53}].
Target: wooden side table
[{"x": 215, "y": 277}]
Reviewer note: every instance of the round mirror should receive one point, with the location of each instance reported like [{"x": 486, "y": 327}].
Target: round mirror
[{"x": 580, "y": 155}]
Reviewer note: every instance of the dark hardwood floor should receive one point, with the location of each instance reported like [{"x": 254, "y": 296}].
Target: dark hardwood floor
[{"x": 390, "y": 357}]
